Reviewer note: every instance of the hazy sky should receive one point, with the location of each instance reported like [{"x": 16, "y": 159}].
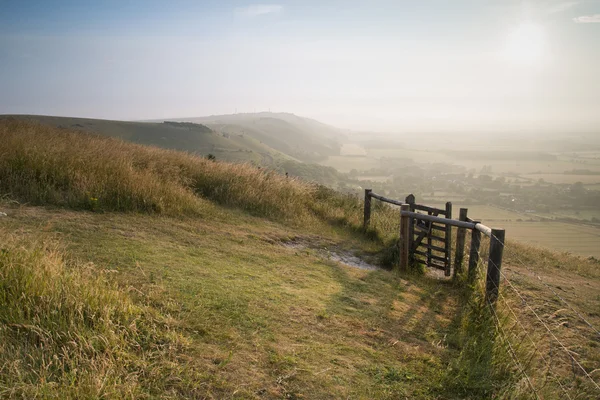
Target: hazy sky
[{"x": 386, "y": 65}]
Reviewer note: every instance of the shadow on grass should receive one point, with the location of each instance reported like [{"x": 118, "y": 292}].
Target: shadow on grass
[
  {"x": 474, "y": 374},
  {"x": 410, "y": 308}
]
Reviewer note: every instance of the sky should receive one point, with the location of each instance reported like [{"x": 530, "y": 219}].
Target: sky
[{"x": 393, "y": 65}]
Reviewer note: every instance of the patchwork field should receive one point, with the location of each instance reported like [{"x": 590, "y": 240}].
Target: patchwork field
[
  {"x": 565, "y": 178},
  {"x": 576, "y": 239},
  {"x": 532, "y": 229},
  {"x": 348, "y": 163}
]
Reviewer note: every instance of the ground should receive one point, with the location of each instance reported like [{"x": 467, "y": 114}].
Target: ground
[
  {"x": 265, "y": 319},
  {"x": 270, "y": 310}
]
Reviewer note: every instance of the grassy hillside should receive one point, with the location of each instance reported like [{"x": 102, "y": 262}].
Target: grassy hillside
[
  {"x": 233, "y": 143},
  {"x": 194, "y": 138},
  {"x": 135, "y": 272},
  {"x": 302, "y": 138}
]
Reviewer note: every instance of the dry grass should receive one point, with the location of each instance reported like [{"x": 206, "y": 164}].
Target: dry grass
[
  {"x": 537, "y": 323},
  {"x": 43, "y": 165},
  {"x": 67, "y": 332},
  {"x": 216, "y": 307},
  {"x": 239, "y": 314}
]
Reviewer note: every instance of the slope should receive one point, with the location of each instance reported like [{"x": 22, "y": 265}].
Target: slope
[
  {"x": 136, "y": 272},
  {"x": 192, "y": 296},
  {"x": 302, "y": 138},
  {"x": 194, "y": 138}
]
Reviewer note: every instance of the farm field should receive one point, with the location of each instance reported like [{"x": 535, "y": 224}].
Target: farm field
[
  {"x": 348, "y": 163},
  {"x": 484, "y": 213},
  {"x": 529, "y": 228},
  {"x": 576, "y": 239},
  {"x": 565, "y": 178},
  {"x": 564, "y": 162},
  {"x": 374, "y": 178}
]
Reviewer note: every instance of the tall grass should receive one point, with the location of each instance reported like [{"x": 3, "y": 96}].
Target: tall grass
[
  {"x": 65, "y": 332},
  {"x": 44, "y": 165}
]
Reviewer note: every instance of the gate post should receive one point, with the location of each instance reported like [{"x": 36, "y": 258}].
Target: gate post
[
  {"x": 474, "y": 253},
  {"x": 460, "y": 243},
  {"x": 404, "y": 242},
  {"x": 410, "y": 200},
  {"x": 448, "y": 245},
  {"x": 492, "y": 284},
  {"x": 367, "y": 218}
]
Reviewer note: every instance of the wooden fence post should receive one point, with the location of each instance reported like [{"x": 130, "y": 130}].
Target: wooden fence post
[
  {"x": 404, "y": 242},
  {"x": 492, "y": 283},
  {"x": 474, "y": 254},
  {"x": 367, "y": 219},
  {"x": 410, "y": 200},
  {"x": 448, "y": 239},
  {"x": 460, "y": 243}
]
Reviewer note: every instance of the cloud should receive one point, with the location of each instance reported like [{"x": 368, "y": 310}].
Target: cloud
[
  {"x": 256, "y": 10},
  {"x": 588, "y": 19},
  {"x": 564, "y": 6}
]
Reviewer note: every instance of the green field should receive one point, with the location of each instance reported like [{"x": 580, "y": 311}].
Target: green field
[
  {"x": 348, "y": 163},
  {"x": 532, "y": 229},
  {"x": 565, "y": 178},
  {"x": 374, "y": 178},
  {"x": 576, "y": 239}
]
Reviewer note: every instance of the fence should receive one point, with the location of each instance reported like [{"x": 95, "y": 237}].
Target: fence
[
  {"x": 416, "y": 227},
  {"x": 559, "y": 354}
]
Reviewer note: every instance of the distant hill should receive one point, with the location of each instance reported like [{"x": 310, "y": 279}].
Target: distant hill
[
  {"x": 302, "y": 138},
  {"x": 283, "y": 142},
  {"x": 192, "y": 137}
]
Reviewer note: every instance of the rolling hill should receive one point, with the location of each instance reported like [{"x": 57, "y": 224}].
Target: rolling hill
[
  {"x": 273, "y": 141},
  {"x": 129, "y": 271},
  {"x": 192, "y": 137},
  {"x": 303, "y": 138}
]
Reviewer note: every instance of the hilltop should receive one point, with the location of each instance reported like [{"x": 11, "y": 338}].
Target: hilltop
[{"x": 129, "y": 271}]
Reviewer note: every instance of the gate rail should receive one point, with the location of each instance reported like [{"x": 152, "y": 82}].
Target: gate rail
[{"x": 408, "y": 245}]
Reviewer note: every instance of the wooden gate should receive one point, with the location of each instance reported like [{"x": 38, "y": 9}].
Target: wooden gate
[{"x": 430, "y": 242}]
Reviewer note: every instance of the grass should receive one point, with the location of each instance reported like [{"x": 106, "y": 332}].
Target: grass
[
  {"x": 71, "y": 169},
  {"x": 188, "y": 278},
  {"x": 65, "y": 331},
  {"x": 254, "y": 318},
  {"x": 576, "y": 239}
]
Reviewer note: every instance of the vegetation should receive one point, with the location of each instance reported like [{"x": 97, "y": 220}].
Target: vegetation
[
  {"x": 149, "y": 273},
  {"x": 70, "y": 169}
]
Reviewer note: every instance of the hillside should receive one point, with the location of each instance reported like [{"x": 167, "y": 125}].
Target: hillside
[
  {"x": 194, "y": 138},
  {"x": 234, "y": 143},
  {"x": 302, "y": 138},
  {"x": 129, "y": 271}
]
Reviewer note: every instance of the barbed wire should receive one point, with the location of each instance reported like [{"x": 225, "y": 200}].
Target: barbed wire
[
  {"x": 512, "y": 352},
  {"x": 574, "y": 360},
  {"x": 537, "y": 351},
  {"x": 565, "y": 302}
]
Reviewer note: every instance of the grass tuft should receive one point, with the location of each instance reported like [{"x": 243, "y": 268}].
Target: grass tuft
[
  {"x": 41, "y": 165},
  {"x": 66, "y": 332}
]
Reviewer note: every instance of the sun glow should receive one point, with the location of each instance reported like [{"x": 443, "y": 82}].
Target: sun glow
[{"x": 525, "y": 45}]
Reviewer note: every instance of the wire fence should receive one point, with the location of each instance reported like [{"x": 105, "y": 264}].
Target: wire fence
[
  {"x": 549, "y": 356},
  {"x": 523, "y": 331}
]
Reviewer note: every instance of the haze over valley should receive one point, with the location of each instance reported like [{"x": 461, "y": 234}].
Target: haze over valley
[{"x": 300, "y": 199}]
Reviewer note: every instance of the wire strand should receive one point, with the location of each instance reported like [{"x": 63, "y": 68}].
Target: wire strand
[
  {"x": 547, "y": 328},
  {"x": 512, "y": 351},
  {"x": 565, "y": 302},
  {"x": 531, "y": 340}
]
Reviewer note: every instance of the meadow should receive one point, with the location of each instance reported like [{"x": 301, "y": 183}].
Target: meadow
[{"x": 135, "y": 272}]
